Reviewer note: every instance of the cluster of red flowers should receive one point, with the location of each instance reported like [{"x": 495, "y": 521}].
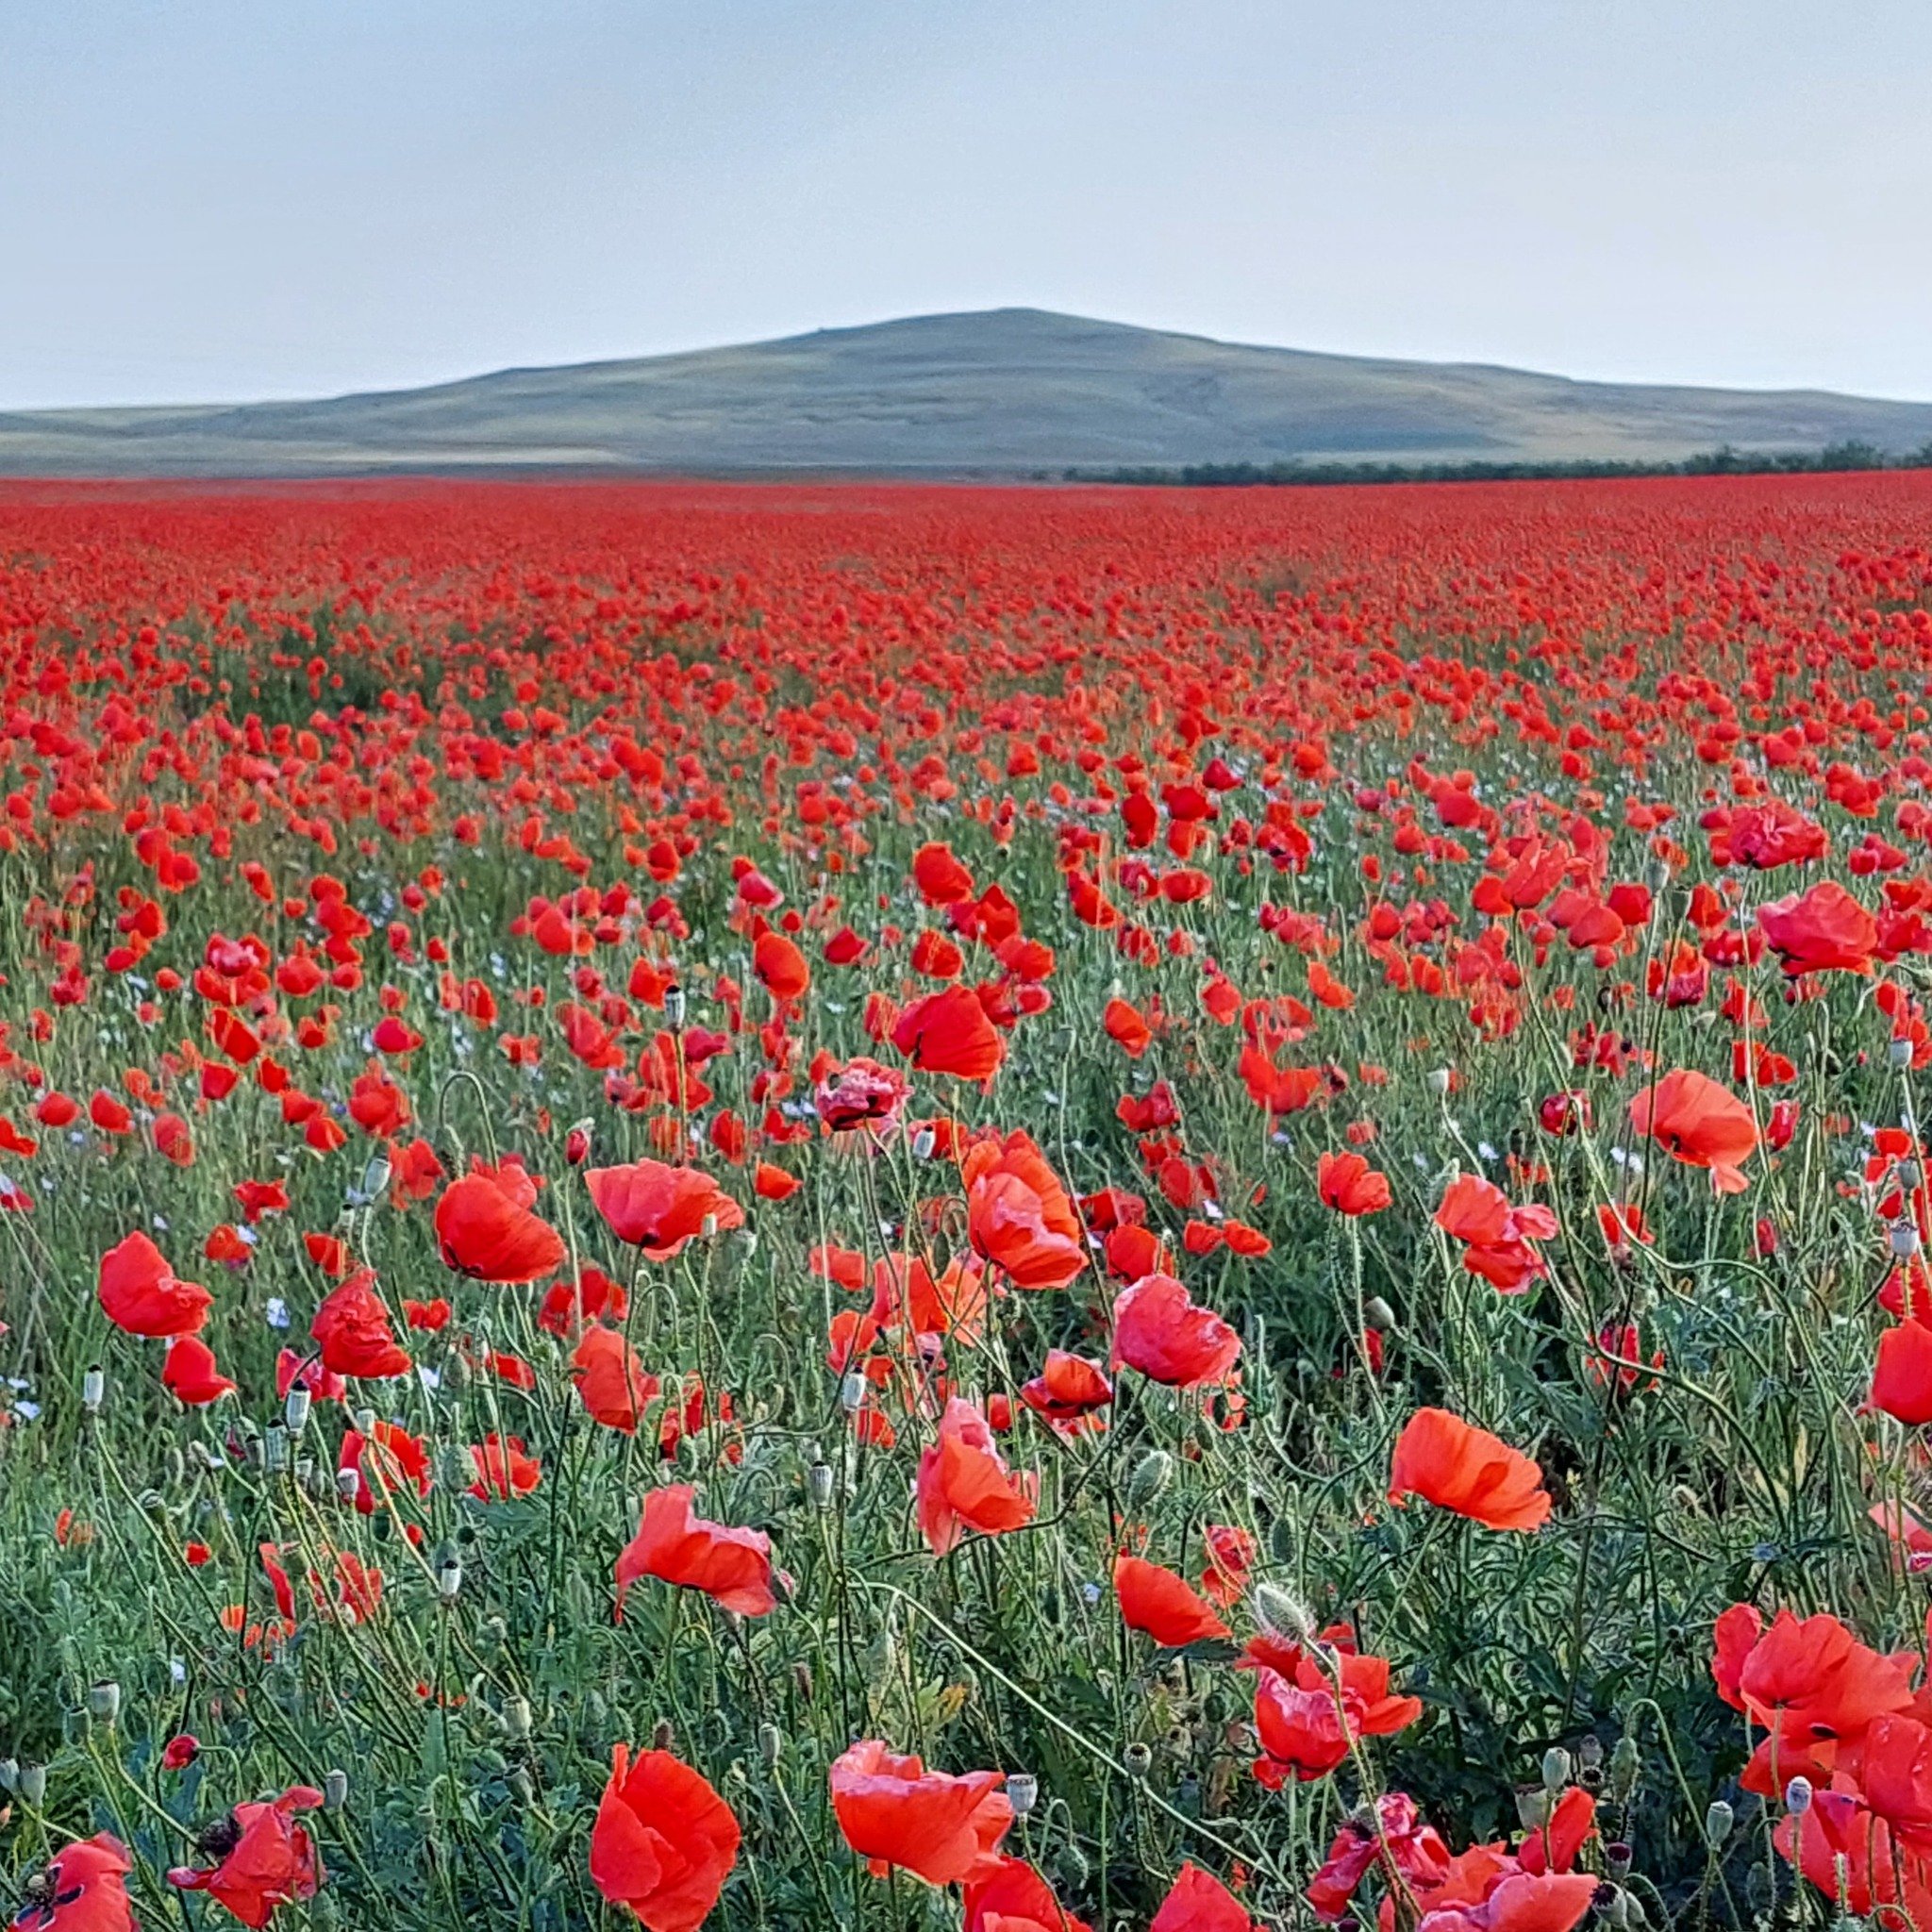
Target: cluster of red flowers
[{"x": 496, "y": 937}]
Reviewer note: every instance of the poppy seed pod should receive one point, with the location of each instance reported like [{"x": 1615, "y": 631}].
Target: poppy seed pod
[
  {"x": 32, "y": 1785},
  {"x": 104, "y": 1701},
  {"x": 822, "y": 1483},
  {"x": 295, "y": 1408},
  {"x": 1556, "y": 1768},
  {"x": 1899, "y": 1052},
  {"x": 449, "y": 1580},
  {"x": 93, "y": 1389},
  {"x": 1904, "y": 1240},
  {"x": 1438, "y": 1082},
  {"x": 852, "y": 1392},
  {"x": 1718, "y": 1821},
  {"x": 771, "y": 1745},
  {"x": 335, "y": 1789},
  {"x": 1533, "y": 1808},
  {"x": 1022, "y": 1793},
  {"x": 1137, "y": 1761},
  {"x": 1798, "y": 1796},
  {"x": 1378, "y": 1315},
  {"x": 375, "y": 1178},
  {"x": 673, "y": 1008}
]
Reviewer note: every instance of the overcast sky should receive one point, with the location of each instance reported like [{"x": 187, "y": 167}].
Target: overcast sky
[{"x": 240, "y": 198}]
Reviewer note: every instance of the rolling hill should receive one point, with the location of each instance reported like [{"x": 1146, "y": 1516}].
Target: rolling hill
[{"x": 1000, "y": 391}]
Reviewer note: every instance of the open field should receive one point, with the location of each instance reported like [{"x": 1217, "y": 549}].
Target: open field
[{"x": 1242, "y": 1167}]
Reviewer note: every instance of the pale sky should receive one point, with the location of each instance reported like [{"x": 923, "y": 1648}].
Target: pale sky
[{"x": 207, "y": 199}]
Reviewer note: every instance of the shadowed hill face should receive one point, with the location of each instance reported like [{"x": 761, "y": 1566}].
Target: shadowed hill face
[{"x": 996, "y": 391}]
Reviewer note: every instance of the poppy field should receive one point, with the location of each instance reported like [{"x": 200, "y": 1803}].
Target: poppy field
[{"x": 1022, "y": 1209}]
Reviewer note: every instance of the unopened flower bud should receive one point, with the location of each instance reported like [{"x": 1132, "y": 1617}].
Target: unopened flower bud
[
  {"x": 516, "y": 1718},
  {"x": 1149, "y": 1477},
  {"x": 710, "y": 1226},
  {"x": 1281, "y": 1613},
  {"x": 1625, "y": 1764},
  {"x": 9, "y": 1774},
  {"x": 1909, "y": 1174},
  {"x": 576, "y": 1143}
]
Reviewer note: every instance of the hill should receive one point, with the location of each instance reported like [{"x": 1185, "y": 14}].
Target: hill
[{"x": 1000, "y": 391}]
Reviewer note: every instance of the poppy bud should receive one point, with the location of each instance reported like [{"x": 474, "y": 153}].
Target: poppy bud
[
  {"x": 576, "y": 1143},
  {"x": 520, "y": 1787},
  {"x": 1718, "y": 1822},
  {"x": 1022, "y": 1793},
  {"x": 1280, "y": 1613},
  {"x": 1281, "y": 1542},
  {"x": 709, "y": 1226},
  {"x": 881, "y": 1658},
  {"x": 1625, "y": 1765},
  {"x": 516, "y": 1718},
  {"x": 335, "y": 1789},
  {"x": 1533, "y": 1808},
  {"x": 821, "y": 1482},
  {"x": 1378, "y": 1315},
  {"x": 32, "y": 1785},
  {"x": 93, "y": 1391},
  {"x": 1556, "y": 1768},
  {"x": 1149, "y": 1476},
  {"x": 1798, "y": 1796},
  {"x": 296, "y": 1409},
  {"x": 770, "y": 1743}
]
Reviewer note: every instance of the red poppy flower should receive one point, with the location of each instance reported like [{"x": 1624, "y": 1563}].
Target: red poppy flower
[
  {"x": 963, "y": 1483},
  {"x": 1699, "y": 1122},
  {"x": 268, "y": 1859},
  {"x": 1902, "y": 1382},
  {"x": 612, "y": 1382},
  {"x": 948, "y": 1032},
  {"x": 1013, "y": 1897},
  {"x": 1068, "y": 1392},
  {"x": 485, "y": 1228},
  {"x": 1826, "y": 931},
  {"x": 1349, "y": 1185},
  {"x": 503, "y": 1469},
  {"x": 1497, "y": 1240},
  {"x": 1198, "y": 1902},
  {"x": 732, "y": 1566},
  {"x": 352, "y": 1327},
  {"x": 1017, "y": 1215},
  {"x": 83, "y": 1889},
  {"x": 893, "y": 1811},
  {"x": 1442, "y": 1458},
  {"x": 657, "y": 1208},
  {"x": 664, "y": 1841},
  {"x": 189, "y": 1373},
  {"x": 139, "y": 1293},
  {"x": 1159, "y": 1602},
  {"x": 1158, "y": 1329}
]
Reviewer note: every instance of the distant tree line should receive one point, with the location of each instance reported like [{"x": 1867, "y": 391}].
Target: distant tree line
[{"x": 1726, "y": 461}]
